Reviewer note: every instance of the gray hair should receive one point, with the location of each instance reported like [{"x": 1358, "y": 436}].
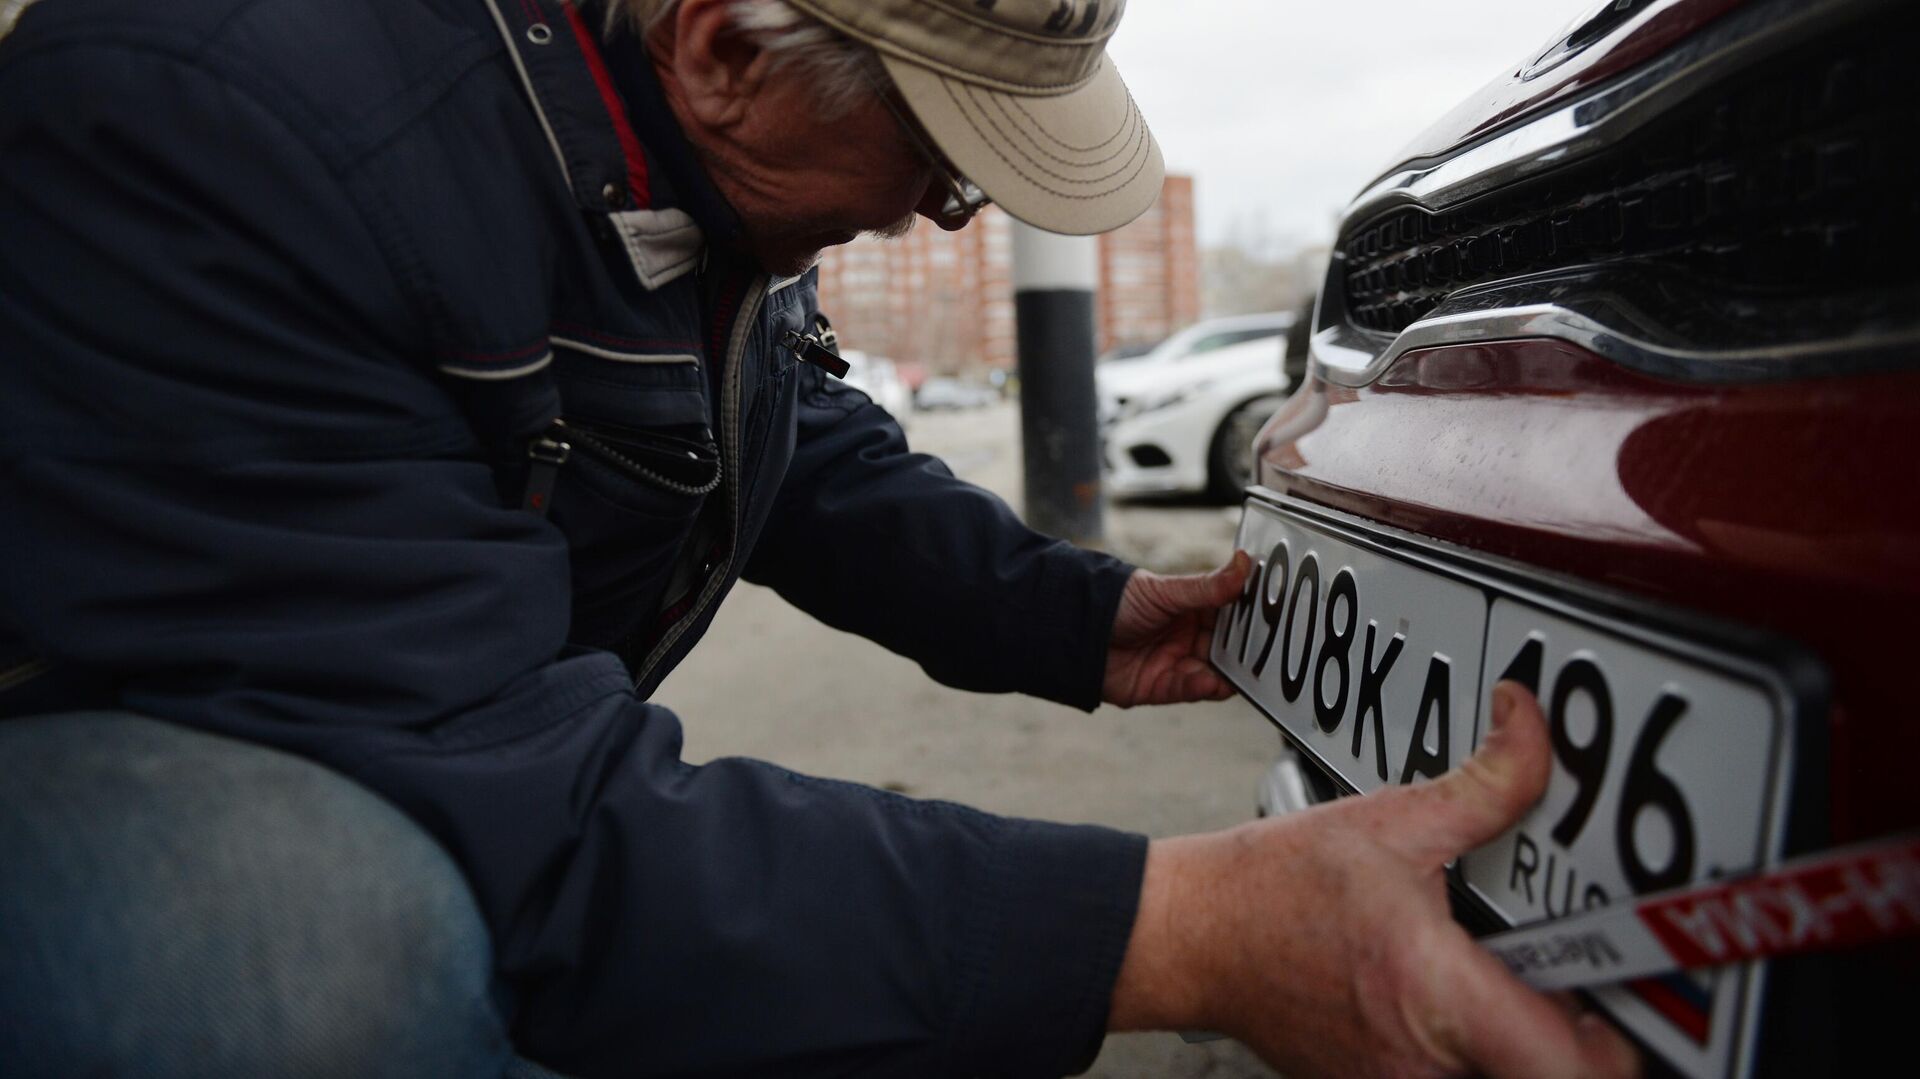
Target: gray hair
[{"x": 843, "y": 71}]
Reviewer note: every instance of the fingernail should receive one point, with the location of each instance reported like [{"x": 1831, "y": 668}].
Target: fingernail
[{"x": 1503, "y": 702}]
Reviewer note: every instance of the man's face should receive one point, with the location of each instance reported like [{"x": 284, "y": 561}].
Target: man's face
[
  {"x": 809, "y": 183},
  {"x": 801, "y": 179}
]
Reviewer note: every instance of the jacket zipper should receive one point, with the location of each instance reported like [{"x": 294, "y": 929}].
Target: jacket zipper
[
  {"x": 607, "y": 453},
  {"x": 618, "y": 433},
  {"x": 555, "y": 446},
  {"x": 730, "y": 467}
]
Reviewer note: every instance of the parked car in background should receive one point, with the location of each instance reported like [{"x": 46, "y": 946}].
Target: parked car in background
[
  {"x": 1615, "y": 390},
  {"x": 1198, "y": 339},
  {"x": 940, "y": 394},
  {"x": 1186, "y": 426},
  {"x": 879, "y": 378},
  {"x": 1122, "y": 353}
]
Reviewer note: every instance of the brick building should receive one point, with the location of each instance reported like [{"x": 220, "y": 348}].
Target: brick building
[
  {"x": 1150, "y": 271},
  {"x": 945, "y": 299}
]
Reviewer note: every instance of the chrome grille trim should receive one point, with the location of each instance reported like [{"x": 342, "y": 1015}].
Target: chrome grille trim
[
  {"x": 1605, "y": 116},
  {"x": 1347, "y": 354},
  {"x": 1601, "y": 326}
]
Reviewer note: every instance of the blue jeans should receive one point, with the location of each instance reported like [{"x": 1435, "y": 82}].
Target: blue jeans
[{"x": 174, "y": 903}]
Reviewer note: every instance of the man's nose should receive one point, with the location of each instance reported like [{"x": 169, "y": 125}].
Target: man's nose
[{"x": 931, "y": 202}]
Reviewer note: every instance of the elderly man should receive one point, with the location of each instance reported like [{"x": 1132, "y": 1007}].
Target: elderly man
[{"x": 392, "y": 392}]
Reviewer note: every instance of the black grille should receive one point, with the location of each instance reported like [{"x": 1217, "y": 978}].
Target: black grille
[{"x": 1800, "y": 174}]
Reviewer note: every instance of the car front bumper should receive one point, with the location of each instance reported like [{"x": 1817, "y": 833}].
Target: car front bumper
[{"x": 1158, "y": 452}]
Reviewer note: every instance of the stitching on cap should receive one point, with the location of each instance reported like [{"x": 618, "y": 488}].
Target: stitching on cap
[
  {"x": 1015, "y": 166},
  {"x": 1132, "y": 113},
  {"x": 1136, "y": 143},
  {"x": 1137, "y": 126},
  {"x": 946, "y": 70},
  {"x": 1062, "y": 143},
  {"x": 1051, "y": 40},
  {"x": 893, "y": 48}
]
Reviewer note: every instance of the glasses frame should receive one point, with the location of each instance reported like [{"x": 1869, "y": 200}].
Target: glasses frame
[{"x": 964, "y": 197}]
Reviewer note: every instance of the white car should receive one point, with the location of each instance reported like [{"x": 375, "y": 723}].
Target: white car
[
  {"x": 946, "y": 394},
  {"x": 878, "y": 378},
  {"x": 1200, "y": 338},
  {"x": 1185, "y": 424}
]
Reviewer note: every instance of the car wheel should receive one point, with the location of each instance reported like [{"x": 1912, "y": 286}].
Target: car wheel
[{"x": 1230, "y": 458}]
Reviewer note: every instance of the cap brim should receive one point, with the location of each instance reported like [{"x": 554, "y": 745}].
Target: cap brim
[{"x": 1078, "y": 163}]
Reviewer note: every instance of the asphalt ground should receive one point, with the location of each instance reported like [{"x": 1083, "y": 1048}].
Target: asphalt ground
[{"x": 770, "y": 682}]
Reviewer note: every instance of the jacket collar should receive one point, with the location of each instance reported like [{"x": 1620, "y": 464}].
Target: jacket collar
[
  {"x": 680, "y": 176},
  {"x": 607, "y": 167}
]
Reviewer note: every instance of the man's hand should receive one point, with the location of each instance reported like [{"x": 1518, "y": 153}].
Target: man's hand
[
  {"x": 1158, "y": 654},
  {"x": 1322, "y": 940}
]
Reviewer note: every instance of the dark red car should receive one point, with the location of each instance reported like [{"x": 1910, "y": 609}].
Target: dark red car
[{"x": 1615, "y": 389}]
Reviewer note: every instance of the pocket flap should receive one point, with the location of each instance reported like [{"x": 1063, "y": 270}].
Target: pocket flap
[{"x": 630, "y": 388}]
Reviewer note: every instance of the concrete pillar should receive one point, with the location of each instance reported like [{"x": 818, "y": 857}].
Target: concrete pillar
[{"x": 1054, "y": 278}]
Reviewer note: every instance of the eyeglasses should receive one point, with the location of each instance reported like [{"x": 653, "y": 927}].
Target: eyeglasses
[{"x": 964, "y": 197}]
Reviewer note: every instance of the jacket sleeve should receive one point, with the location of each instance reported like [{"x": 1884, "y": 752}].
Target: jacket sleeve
[
  {"x": 872, "y": 538},
  {"x": 233, "y": 500}
]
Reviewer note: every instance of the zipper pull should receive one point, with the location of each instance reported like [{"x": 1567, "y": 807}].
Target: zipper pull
[
  {"x": 809, "y": 349},
  {"x": 548, "y": 453}
]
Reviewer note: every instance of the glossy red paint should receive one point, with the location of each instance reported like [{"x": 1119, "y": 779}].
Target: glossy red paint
[
  {"x": 1513, "y": 95},
  {"x": 1791, "y": 506}
]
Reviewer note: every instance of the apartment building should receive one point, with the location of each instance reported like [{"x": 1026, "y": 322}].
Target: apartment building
[{"x": 944, "y": 300}]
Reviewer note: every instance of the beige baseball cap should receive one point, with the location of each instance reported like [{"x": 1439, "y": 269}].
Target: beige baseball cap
[{"x": 1021, "y": 97}]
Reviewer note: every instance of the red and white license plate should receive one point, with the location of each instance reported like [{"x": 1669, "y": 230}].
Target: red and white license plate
[{"x": 1376, "y": 653}]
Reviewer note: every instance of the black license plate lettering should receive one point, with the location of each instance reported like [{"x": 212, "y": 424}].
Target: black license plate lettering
[
  {"x": 1372, "y": 677},
  {"x": 1343, "y": 595},
  {"x": 1645, "y": 789}
]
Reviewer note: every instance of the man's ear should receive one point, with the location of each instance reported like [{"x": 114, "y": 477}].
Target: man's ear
[{"x": 719, "y": 69}]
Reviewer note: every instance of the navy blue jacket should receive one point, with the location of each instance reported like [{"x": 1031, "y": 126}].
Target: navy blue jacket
[{"x": 289, "y": 292}]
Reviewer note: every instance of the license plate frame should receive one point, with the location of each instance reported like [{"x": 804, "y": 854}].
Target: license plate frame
[{"x": 1790, "y": 682}]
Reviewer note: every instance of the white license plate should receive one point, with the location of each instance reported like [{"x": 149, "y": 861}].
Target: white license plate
[{"x": 1376, "y": 654}]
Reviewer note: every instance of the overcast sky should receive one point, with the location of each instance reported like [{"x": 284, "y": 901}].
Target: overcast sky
[{"x": 1282, "y": 109}]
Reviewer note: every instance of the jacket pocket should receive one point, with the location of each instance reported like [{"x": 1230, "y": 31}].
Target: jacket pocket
[
  {"x": 637, "y": 425},
  {"x": 674, "y": 462},
  {"x": 639, "y": 462}
]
